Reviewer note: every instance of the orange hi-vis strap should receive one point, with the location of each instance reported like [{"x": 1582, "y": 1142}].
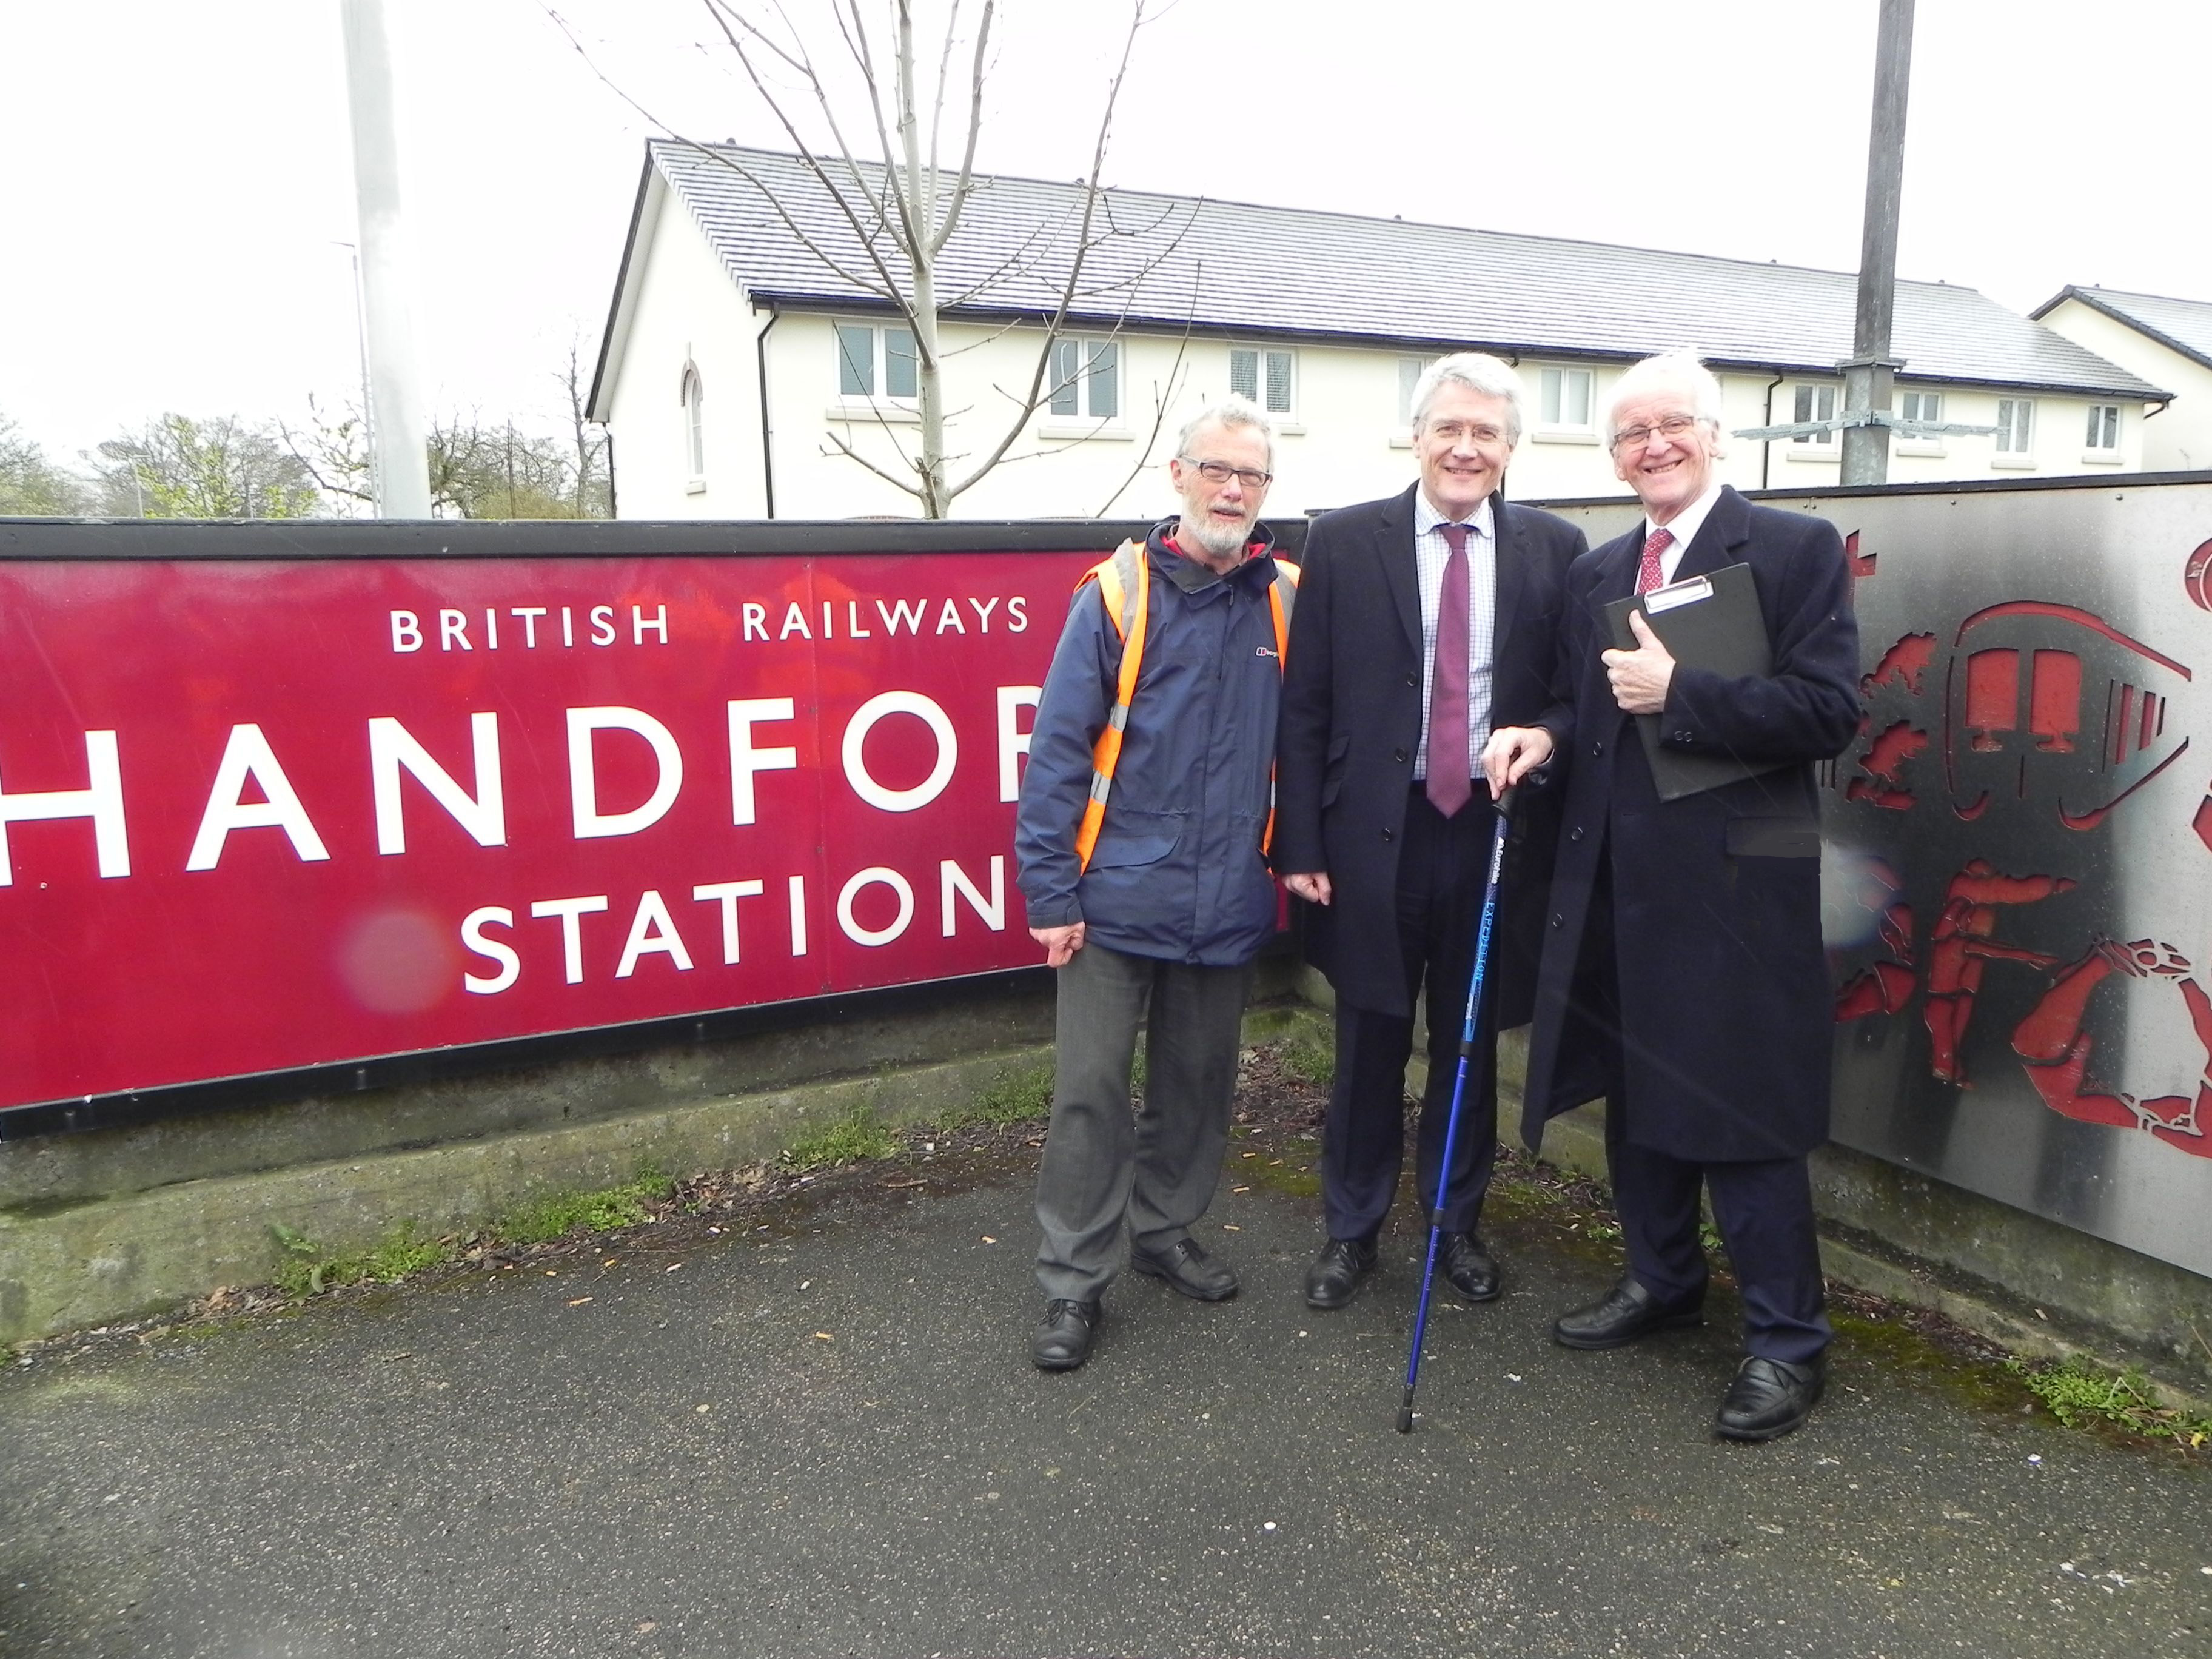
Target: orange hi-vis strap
[{"x": 1125, "y": 590}]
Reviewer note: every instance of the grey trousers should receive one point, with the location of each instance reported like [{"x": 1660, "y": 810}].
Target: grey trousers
[{"x": 1157, "y": 1167}]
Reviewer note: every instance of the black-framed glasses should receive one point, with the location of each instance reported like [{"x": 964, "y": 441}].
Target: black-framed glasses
[
  {"x": 1635, "y": 437},
  {"x": 1221, "y": 473}
]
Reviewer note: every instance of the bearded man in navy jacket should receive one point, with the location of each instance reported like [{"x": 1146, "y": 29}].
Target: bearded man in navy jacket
[{"x": 1683, "y": 974}]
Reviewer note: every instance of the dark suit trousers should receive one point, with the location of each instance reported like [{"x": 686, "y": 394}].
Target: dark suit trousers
[
  {"x": 1763, "y": 1208},
  {"x": 1441, "y": 869}
]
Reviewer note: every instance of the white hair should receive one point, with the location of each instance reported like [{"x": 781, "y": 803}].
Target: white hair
[
  {"x": 1231, "y": 411},
  {"x": 1478, "y": 371},
  {"x": 1670, "y": 371}
]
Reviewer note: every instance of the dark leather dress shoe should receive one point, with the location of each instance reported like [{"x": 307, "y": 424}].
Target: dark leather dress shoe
[
  {"x": 1626, "y": 1312},
  {"x": 1473, "y": 1273},
  {"x": 1769, "y": 1398},
  {"x": 1062, "y": 1341},
  {"x": 1334, "y": 1277},
  {"x": 1187, "y": 1267}
]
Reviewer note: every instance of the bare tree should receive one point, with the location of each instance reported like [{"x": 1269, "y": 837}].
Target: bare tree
[
  {"x": 895, "y": 205},
  {"x": 592, "y": 479},
  {"x": 478, "y": 470}
]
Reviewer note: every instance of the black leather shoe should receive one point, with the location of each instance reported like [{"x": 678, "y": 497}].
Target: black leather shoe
[
  {"x": 1063, "y": 1342},
  {"x": 1334, "y": 1277},
  {"x": 1769, "y": 1398},
  {"x": 1628, "y": 1311},
  {"x": 1473, "y": 1273},
  {"x": 1187, "y": 1267}
]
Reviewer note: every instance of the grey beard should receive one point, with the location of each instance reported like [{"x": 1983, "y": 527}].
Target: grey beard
[{"x": 1218, "y": 541}]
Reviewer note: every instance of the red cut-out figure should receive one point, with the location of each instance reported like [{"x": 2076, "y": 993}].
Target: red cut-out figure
[
  {"x": 1885, "y": 986},
  {"x": 1883, "y": 763},
  {"x": 2055, "y": 1049},
  {"x": 1961, "y": 943}
]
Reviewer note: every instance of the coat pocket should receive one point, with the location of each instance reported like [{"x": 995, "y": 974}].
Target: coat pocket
[
  {"x": 1334, "y": 768},
  {"x": 1138, "y": 839},
  {"x": 1773, "y": 838}
]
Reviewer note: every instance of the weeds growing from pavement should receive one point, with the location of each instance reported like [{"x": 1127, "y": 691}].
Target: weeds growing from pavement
[
  {"x": 860, "y": 1137},
  {"x": 1019, "y": 1097},
  {"x": 549, "y": 1215},
  {"x": 304, "y": 1267},
  {"x": 2078, "y": 1390}
]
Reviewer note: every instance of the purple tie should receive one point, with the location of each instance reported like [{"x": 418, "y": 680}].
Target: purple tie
[{"x": 1448, "y": 786}]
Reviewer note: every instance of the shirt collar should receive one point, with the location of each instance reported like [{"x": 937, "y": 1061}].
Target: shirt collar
[
  {"x": 1691, "y": 519},
  {"x": 1426, "y": 518}
]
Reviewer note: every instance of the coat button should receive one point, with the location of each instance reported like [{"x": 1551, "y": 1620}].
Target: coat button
[
  {"x": 1575, "y": 833},
  {"x": 1389, "y": 835},
  {"x": 1558, "y": 921},
  {"x": 1683, "y": 736},
  {"x": 1598, "y": 747},
  {"x": 1413, "y": 679},
  {"x": 1398, "y": 755}
]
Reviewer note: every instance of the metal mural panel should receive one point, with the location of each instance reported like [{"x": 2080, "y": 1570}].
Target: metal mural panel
[{"x": 2019, "y": 864}]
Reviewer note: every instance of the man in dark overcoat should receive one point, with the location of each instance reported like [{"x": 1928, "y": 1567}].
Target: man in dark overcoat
[
  {"x": 1683, "y": 975},
  {"x": 1423, "y": 622}
]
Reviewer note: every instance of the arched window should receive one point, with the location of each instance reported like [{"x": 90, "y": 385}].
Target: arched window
[{"x": 694, "y": 442}]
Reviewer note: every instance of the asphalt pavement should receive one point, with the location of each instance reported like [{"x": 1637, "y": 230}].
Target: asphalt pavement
[{"x": 817, "y": 1433}]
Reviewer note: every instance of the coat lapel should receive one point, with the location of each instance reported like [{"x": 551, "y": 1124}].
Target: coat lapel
[
  {"x": 1395, "y": 551},
  {"x": 1726, "y": 528},
  {"x": 1512, "y": 573}
]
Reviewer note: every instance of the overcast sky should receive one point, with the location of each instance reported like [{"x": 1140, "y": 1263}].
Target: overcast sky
[{"x": 179, "y": 181}]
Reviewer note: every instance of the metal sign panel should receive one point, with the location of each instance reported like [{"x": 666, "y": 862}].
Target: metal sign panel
[
  {"x": 258, "y": 815},
  {"x": 2019, "y": 860}
]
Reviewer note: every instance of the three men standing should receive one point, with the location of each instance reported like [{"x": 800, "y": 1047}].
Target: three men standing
[
  {"x": 1683, "y": 975},
  {"x": 1160, "y": 704},
  {"x": 1424, "y": 620}
]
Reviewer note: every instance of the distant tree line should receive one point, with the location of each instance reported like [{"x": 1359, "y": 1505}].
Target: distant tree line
[{"x": 179, "y": 466}]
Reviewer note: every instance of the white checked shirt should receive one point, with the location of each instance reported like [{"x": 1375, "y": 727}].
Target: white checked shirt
[{"x": 1429, "y": 552}]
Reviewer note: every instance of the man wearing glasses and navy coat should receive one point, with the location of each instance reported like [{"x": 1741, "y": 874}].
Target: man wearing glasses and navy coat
[
  {"x": 1422, "y": 642},
  {"x": 1140, "y": 849},
  {"x": 1683, "y": 975}
]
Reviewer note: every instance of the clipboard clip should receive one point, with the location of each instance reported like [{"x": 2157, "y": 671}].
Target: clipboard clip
[{"x": 1688, "y": 591}]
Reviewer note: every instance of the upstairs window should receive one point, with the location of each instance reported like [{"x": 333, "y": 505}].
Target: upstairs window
[
  {"x": 1815, "y": 403},
  {"x": 1263, "y": 375},
  {"x": 2016, "y": 426},
  {"x": 1563, "y": 399},
  {"x": 1926, "y": 406},
  {"x": 695, "y": 436},
  {"x": 877, "y": 362},
  {"x": 1085, "y": 379},
  {"x": 2104, "y": 428},
  {"x": 1410, "y": 370}
]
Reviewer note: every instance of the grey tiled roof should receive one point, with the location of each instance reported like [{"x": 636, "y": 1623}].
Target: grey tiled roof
[
  {"x": 2183, "y": 325},
  {"x": 1290, "y": 272}
]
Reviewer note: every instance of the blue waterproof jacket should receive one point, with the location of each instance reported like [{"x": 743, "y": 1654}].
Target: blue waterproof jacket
[{"x": 1177, "y": 872}]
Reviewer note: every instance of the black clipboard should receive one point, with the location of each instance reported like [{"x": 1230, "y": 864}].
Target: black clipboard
[{"x": 1712, "y": 622}]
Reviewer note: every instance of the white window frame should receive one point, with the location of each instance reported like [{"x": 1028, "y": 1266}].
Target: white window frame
[
  {"x": 1262, "y": 362},
  {"x": 692, "y": 395},
  {"x": 2016, "y": 425},
  {"x": 1077, "y": 354},
  {"x": 876, "y": 400},
  {"x": 1410, "y": 370},
  {"x": 1920, "y": 403},
  {"x": 2107, "y": 416},
  {"x": 1554, "y": 383},
  {"x": 1814, "y": 400}
]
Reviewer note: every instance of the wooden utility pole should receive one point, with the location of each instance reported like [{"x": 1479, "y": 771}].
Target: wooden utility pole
[{"x": 1870, "y": 370}]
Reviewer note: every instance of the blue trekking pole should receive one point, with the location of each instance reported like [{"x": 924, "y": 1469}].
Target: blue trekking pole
[{"x": 1459, "y": 1093}]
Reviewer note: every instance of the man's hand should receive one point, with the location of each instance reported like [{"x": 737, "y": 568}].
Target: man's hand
[
  {"x": 1640, "y": 677},
  {"x": 1059, "y": 943},
  {"x": 1512, "y": 753},
  {"x": 1310, "y": 885}
]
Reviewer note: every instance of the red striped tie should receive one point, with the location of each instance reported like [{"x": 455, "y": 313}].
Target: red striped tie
[{"x": 1647, "y": 573}]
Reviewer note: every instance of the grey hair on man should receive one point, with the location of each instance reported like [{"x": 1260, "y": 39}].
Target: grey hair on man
[
  {"x": 1670, "y": 371},
  {"x": 1478, "y": 371},
  {"x": 1231, "y": 411}
]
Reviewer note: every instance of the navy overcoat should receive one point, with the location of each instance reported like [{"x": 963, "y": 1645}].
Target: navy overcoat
[
  {"x": 1352, "y": 719},
  {"x": 1725, "y": 1001}
]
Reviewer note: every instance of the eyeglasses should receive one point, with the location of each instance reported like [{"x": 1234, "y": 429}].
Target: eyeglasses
[
  {"x": 1221, "y": 473},
  {"x": 1635, "y": 437}
]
